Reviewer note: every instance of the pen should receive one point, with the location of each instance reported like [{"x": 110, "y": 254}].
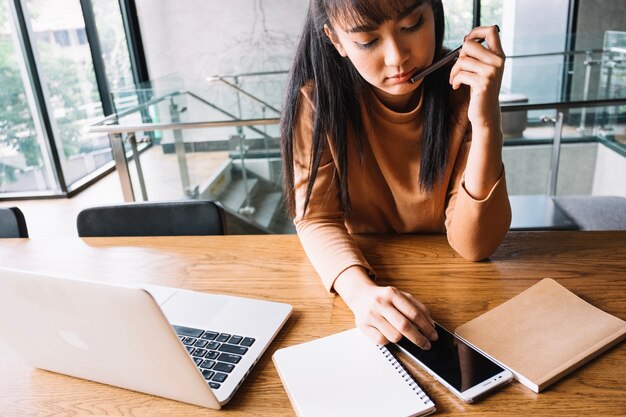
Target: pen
[
  {"x": 443, "y": 61},
  {"x": 434, "y": 67}
]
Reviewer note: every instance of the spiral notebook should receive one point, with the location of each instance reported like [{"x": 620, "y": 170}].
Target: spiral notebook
[{"x": 346, "y": 374}]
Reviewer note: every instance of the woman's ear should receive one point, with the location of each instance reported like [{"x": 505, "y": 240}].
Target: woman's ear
[{"x": 335, "y": 40}]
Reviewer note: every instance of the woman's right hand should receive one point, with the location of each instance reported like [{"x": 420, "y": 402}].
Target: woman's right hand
[{"x": 385, "y": 314}]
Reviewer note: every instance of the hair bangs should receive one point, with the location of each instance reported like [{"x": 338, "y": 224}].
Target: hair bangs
[{"x": 354, "y": 14}]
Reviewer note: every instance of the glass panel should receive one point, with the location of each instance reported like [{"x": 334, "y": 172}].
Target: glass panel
[
  {"x": 67, "y": 73},
  {"x": 24, "y": 161},
  {"x": 459, "y": 17},
  {"x": 590, "y": 162},
  {"x": 528, "y": 168},
  {"x": 268, "y": 87},
  {"x": 613, "y": 85},
  {"x": 113, "y": 43},
  {"x": 582, "y": 75},
  {"x": 491, "y": 13},
  {"x": 237, "y": 166}
]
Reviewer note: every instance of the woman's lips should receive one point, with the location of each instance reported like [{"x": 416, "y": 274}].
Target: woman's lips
[{"x": 401, "y": 78}]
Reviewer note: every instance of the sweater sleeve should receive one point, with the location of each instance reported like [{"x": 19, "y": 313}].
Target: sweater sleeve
[
  {"x": 475, "y": 228},
  {"x": 321, "y": 230}
]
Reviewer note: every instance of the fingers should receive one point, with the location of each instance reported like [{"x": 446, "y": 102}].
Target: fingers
[
  {"x": 395, "y": 314},
  {"x": 479, "y": 66},
  {"x": 491, "y": 35},
  {"x": 481, "y": 53},
  {"x": 417, "y": 314},
  {"x": 401, "y": 325},
  {"x": 391, "y": 327},
  {"x": 474, "y": 73},
  {"x": 421, "y": 307},
  {"x": 387, "y": 314},
  {"x": 374, "y": 335}
]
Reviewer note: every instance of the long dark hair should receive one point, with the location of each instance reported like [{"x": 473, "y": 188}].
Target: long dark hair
[{"x": 339, "y": 89}]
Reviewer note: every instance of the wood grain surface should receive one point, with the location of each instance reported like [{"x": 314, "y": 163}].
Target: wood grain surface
[{"x": 591, "y": 264}]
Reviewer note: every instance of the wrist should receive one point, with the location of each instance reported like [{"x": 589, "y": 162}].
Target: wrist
[
  {"x": 489, "y": 120},
  {"x": 351, "y": 282},
  {"x": 488, "y": 132}
]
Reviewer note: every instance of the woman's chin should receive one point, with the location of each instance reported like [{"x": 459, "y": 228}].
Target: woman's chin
[{"x": 396, "y": 89}]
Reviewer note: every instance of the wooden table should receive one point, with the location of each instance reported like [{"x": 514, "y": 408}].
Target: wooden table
[{"x": 591, "y": 264}]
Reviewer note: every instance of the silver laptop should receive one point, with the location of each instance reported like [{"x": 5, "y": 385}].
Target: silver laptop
[{"x": 184, "y": 345}]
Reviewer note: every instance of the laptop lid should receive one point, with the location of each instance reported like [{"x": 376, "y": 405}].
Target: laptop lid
[{"x": 113, "y": 334}]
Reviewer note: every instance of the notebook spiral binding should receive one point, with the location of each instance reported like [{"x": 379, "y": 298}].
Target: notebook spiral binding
[{"x": 405, "y": 375}]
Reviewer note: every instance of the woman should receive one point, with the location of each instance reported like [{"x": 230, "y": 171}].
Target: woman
[{"x": 366, "y": 151}]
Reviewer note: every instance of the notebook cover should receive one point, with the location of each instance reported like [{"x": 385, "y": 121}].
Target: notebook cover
[
  {"x": 543, "y": 333},
  {"x": 347, "y": 375}
]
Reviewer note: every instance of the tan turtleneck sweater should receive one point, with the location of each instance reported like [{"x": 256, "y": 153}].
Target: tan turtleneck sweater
[{"x": 384, "y": 189}]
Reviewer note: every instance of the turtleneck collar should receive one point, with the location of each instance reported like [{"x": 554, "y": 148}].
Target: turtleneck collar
[{"x": 391, "y": 115}]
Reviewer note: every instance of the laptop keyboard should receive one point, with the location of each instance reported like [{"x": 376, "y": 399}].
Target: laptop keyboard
[{"x": 215, "y": 354}]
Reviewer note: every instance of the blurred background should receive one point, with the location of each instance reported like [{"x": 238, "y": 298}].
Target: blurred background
[{"x": 105, "y": 101}]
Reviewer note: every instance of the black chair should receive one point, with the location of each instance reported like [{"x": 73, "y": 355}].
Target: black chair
[
  {"x": 12, "y": 223},
  {"x": 175, "y": 218}
]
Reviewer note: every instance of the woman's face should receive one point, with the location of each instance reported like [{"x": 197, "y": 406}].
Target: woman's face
[{"x": 387, "y": 55}]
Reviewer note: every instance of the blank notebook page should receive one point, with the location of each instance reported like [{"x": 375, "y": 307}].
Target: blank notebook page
[{"x": 346, "y": 374}]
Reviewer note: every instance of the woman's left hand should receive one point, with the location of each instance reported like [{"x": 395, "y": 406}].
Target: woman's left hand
[{"x": 481, "y": 67}]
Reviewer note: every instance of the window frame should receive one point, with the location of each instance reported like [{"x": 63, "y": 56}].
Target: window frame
[{"x": 139, "y": 69}]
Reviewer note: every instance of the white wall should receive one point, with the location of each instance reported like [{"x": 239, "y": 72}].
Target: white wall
[
  {"x": 186, "y": 41},
  {"x": 200, "y": 38},
  {"x": 610, "y": 175}
]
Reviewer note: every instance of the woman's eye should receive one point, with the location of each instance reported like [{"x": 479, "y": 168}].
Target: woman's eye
[
  {"x": 366, "y": 45},
  {"x": 415, "y": 27}
]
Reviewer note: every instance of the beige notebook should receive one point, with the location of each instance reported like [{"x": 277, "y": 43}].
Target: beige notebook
[{"x": 543, "y": 333}]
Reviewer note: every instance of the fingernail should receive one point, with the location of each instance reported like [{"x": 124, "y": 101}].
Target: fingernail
[
  {"x": 434, "y": 336},
  {"x": 497, "y": 28},
  {"x": 427, "y": 346}
]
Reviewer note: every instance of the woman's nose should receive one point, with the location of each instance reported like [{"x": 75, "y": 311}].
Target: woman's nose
[{"x": 395, "y": 53}]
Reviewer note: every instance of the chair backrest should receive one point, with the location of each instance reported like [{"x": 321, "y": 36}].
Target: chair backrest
[
  {"x": 12, "y": 223},
  {"x": 592, "y": 212},
  {"x": 174, "y": 218}
]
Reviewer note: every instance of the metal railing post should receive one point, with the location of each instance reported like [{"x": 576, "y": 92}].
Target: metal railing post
[
  {"x": 247, "y": 209},
  {"x": 132, "y": 139},
  {"x": 556, "y": 151},
  {"x": 121, "y": 164},
  {"x": 179, "y": 148}
]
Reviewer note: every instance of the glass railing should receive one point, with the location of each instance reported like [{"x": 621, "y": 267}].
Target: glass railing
[
  {"x": 588, "y": 86},
  {"x": 564, "y": 122},
  {"x": 220, "y": 140},
  {"x": 217, "y": 142}
]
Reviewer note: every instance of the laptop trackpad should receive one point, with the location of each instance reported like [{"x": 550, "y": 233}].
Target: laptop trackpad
[{"x": 189, "y": 307}]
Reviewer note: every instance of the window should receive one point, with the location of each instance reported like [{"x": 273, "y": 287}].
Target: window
[
  {"x": 62, "y": 37},
  {"x": 491, "y": 13},
  {"x": 459, "y": 17},
  {"x": 70, "y": 88},
  {"x": 81, "y": 35},
  {"x": 24, "y": 161},
  {"x": 52, "y": 87},
  {"x": 112, "y": 44}
]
